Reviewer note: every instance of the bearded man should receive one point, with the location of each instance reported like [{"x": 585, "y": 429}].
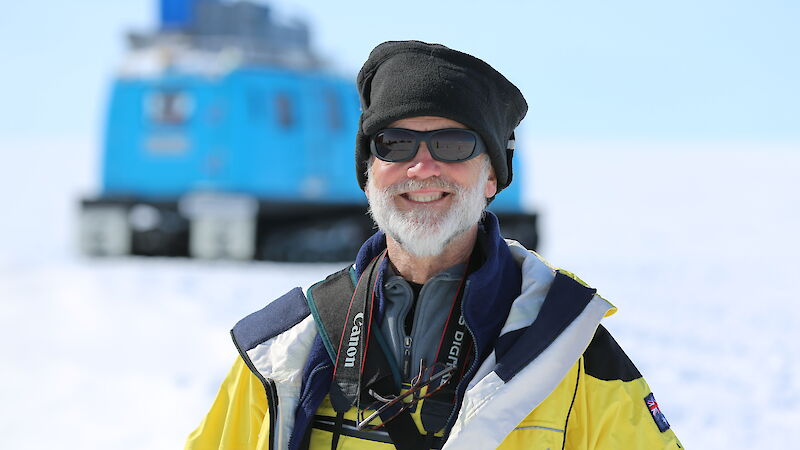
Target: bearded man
[{"x": 442, "y": 334}]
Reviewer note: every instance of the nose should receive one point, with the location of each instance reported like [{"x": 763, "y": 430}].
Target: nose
[{"x": 423, "y": 165}]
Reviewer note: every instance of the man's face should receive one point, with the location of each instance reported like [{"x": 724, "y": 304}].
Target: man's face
[{"x": 424, "y": 203}]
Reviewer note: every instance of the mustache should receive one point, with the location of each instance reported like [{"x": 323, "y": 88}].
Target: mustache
[{"x": 428, "y": 183}]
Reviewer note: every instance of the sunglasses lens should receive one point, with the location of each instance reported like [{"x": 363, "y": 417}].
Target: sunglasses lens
[
  {"x": 453, "y": 145},
  {"x": 395, "y": 145}
]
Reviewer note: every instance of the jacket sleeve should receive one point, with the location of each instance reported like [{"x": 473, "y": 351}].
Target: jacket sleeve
[
  {"x": 238, "y": 417},
  {"x": 613, "y": 406}
]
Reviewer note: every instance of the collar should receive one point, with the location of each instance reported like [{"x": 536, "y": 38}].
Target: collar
[{"x": 491, "y": 289}]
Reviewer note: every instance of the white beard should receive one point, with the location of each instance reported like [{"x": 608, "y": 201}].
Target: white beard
[{"x": 425, "y": 232}]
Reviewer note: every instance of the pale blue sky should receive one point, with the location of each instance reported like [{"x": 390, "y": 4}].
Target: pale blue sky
[{"x": 679, "y": 70}]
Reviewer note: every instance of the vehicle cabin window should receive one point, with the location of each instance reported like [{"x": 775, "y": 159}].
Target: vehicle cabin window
[
  {"x": 284, "y": 110},
  {"x": 333, "y": 110},
  {"x": 170, "y": 107}
]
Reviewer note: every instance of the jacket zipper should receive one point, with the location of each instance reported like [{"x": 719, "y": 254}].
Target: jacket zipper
[
  {"x": 461, "y": 388},
  {"x": 272, "y": 405}
]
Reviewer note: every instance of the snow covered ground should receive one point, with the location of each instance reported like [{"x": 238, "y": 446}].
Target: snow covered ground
[{"x": 695, "y": 243}]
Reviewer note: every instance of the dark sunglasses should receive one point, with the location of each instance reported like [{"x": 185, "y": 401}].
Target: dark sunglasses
[
  {"x": 431, "y": 377},
  {"x": 446, "y": 145}
]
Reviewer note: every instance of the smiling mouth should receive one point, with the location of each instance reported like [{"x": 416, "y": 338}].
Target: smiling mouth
[{"x": 426, "y": 197}]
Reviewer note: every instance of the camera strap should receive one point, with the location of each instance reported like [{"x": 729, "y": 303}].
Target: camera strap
[{"x": 344, "y": 316}]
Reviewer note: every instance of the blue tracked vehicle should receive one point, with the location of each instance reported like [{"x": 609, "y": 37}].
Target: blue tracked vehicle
[{"x": 227, "y": 137}]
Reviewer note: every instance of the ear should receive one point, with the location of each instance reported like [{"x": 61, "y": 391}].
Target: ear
[{"x": 491, "y": 186}]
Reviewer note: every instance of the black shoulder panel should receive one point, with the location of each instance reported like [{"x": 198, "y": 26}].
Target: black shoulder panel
[
  {"x": 329, "y": 301},
  {"x": 604, "y": 359}
]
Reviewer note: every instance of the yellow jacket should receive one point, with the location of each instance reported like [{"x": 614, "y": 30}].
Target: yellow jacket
[
  {"x": 596, "y": 414},
  {"x": 570, "y": 388}
]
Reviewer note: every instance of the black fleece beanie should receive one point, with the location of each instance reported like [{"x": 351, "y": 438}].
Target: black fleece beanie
[{"x": 402, "y": 79}]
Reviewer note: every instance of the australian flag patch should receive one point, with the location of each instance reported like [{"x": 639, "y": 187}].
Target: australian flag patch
[{"x": 658, "y": 416}]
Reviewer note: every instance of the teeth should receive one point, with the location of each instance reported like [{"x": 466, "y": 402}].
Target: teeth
[{"x": 426, "y": 197}]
